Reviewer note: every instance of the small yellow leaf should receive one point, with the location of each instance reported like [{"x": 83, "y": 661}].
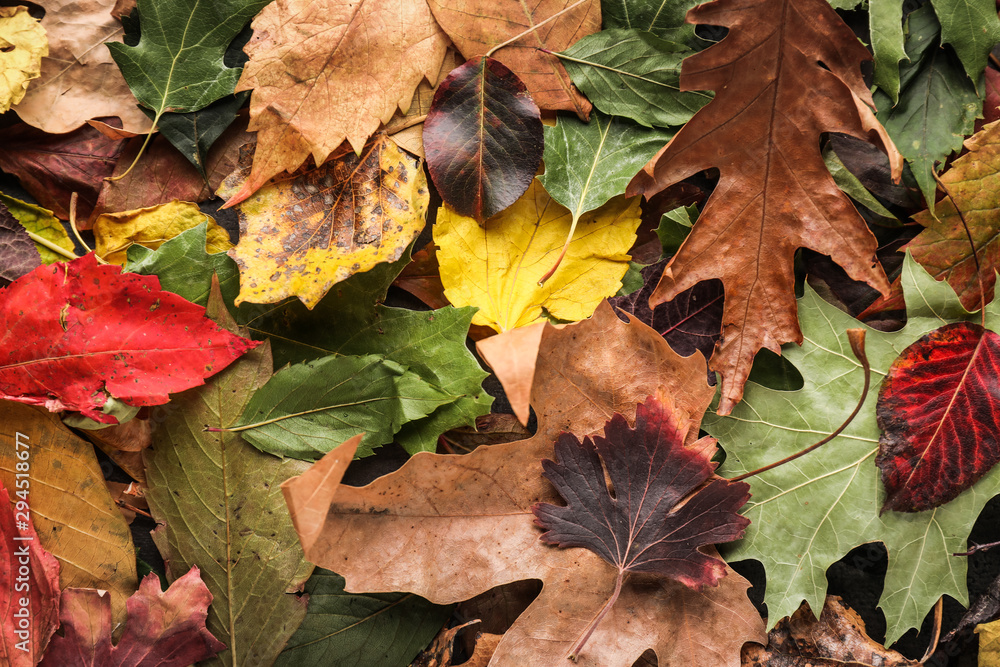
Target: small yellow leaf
[
  {"x": 23, "y": 44},
  {"x": 989, "y": 644},
  {"x": 40, "y": 221},
  {"x": 497, "y": 267},
  {"x": 152, "y": 227},
  {"x": 301, "y": 235}
]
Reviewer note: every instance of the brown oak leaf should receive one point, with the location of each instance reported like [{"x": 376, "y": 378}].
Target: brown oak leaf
[
  {"x": 449, "y": 527},
  {"x": 787, "y": 72}
]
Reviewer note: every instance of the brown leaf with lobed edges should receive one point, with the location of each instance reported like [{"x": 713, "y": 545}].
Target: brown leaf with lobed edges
[
  {"x": 476, "y": 508},
  {"x": 315, "y": 82},
  {"x": 79, "y": 79},
  {"x": 476, "y": 26},
  {"x": 775, "y": 195}
]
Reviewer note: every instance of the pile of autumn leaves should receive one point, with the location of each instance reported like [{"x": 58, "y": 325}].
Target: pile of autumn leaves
[{"x": 223, "y": 446}]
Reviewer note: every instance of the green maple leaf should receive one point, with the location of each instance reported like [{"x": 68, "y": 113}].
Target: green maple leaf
[
  {"x": 811, "y": 512},
  {"x": 972, "y": 28}
]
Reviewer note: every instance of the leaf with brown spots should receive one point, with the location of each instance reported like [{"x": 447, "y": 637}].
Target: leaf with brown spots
[{"x": 301, "y": 235}]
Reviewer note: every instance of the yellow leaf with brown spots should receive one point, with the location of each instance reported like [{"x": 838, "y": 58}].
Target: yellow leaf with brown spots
[
  {"x": 151, "y": 227},
  {"x": 496, "y": 267},
  {"x": 301, "y": 235},
  {"x": 23, "y": 44}
]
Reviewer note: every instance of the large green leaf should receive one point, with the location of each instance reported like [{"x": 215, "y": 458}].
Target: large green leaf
[
  {"x": 306, "y": 410},
  {"x": 886, "y": 22},
  {"x": 184, "y": 267},
  {"x": 663, "y": 18},
  {"x": 972, "y": 28},
  {"x": 360, "y": 629},
  {"x": 634, "y": 74},
  {"x": 586, "y": 164},
  {"x": 178, "y": 64},
  {"x": 221, "y": 507},
  {"x": 809, "y": 513},
  {"x": 937, "y": 105}
]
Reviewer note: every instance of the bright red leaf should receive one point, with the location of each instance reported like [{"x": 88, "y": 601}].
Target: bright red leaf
[
  {"x": 29, "y": 585},
  {"x": 939, "y": 411},
  {"x": 163, "y": 629},
  {"x": 482, "y": 138},
  {"x": 77, "y": 332}
]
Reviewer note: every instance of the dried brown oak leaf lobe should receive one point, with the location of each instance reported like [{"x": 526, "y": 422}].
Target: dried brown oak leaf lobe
[
  {"x": 773, "y": 100},
  {"x": 323, "y": 71},
  {"x": 450, "y": 527},
  {"x": 476, "y": 26}
]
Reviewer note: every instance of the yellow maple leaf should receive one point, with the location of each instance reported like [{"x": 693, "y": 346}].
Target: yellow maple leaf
[
  {"x": 496, "y": 267},
  {"x": 152, "y": 227},
  {"x": 23, "y": 44},
  {"x": 301, "y": 235},
  {"x": 323, "y": 71}
]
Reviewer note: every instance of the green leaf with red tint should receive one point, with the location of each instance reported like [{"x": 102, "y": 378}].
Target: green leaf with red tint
[
  {"x": 77, "y": 332},
  {"x": 482, "y": 138},
  {"x": 939, "y": 411},
  {"x": 29, "y": 584},
  {"x": 643, "y": 527}
]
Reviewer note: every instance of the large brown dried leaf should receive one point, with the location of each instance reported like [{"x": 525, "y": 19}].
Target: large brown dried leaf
[
  {"x": 323, "y": 71},
  {"x": 391, "y": 534},
  {"x": 773, "y": 101},
  {"x": 476, "y": 26},
  {"x": 79, "y": 79}
]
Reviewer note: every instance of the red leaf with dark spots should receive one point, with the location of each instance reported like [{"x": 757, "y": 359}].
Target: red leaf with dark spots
[
  {"x": 939, "y": 411},
  {"x": 76, "y": 332},
  {"x": 643, "y": 527},
  {"x": 482, "y": 138}
]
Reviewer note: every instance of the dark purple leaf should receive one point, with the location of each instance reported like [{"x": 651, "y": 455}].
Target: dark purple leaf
[
  {"x": 482, "y": 138},
  {"x": 939, "y": 411},
  {"x": 641, "y": 528},
  {"x": 18, "y": 254}
]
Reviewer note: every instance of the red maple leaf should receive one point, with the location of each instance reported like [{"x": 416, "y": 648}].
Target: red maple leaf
[{"x": 77, "y": 332}]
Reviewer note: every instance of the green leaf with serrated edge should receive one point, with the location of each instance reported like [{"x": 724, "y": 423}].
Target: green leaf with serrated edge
[
  {"x": 886, "y": 22},
  {"x": 811, "y": 512},
  {"x": 429, "y": 343},
  {"x": 360, "y": 629},
  {"x": 634, "y": 74},
  {"x": 184, "y": 267},
  {"x": 178, "y": 64},
  {"x": 586, "y": 164},
  {"x": 220, "y": 507},
  {"x": 663, "y": 18},
  {"x": 41, "y": 221},
  {"x": 674, "y": 227},
  {"x": 972, "y": 28},
  {"x": 850, "y": 184},
  {"x": 926, "y": 133},
  {"x": 306, "y": 410}
]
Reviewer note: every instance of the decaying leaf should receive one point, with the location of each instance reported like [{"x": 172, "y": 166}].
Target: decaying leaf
[
  {"x": 79, "y": 78},
  {"x": 115, "y": 233},
  {"x": 301, "y": 235},
  {"x": 40, "y": 221},
  {"x": 512, "y": 355},
  {"x": 94, "y": 331},
  {"x": 23, "y": 44},
  {"x": 165, "y": 629},
  {"x": 477, "y": 508},
  {"x": 407, "y": 129},
  {"x": 497, "y": 267},
  {"x": 477, "y": 26},
  {"x": 29, "y": 577},
  {"x": 18, "y": 255},
  {"x": 989, "y": 644},
  {"x": 76, "y": 519},
  {"x": 349, "y": 67},
  {"x": 482, "y": 138},
  {"x": 775, "y": 194}
]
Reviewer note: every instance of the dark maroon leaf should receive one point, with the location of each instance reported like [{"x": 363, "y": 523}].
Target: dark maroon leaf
[
  {"x": 482, "y": 138},
  {"x": 18, "y": 254},
  {"x": 939, "y": 411},
  {"x": 692, "y": 321},
  {"x": 641, "y": 528},
  {"x": 53, "y": 166}
]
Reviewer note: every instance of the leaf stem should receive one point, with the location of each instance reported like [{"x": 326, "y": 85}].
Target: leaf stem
[
  {"x": 142, "y": 149},
  {"x": 938, "y": 608},
  {"x": 569, "y": 239},
  {"x": 857, "y": 339},
  {"x": 574, "y": 652},
  {"x": 76, "y": 232},
  {"x": 972, "y": 244},
  {"x": 42, "y": 241},
  {"x": 533, "y": 28}
]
